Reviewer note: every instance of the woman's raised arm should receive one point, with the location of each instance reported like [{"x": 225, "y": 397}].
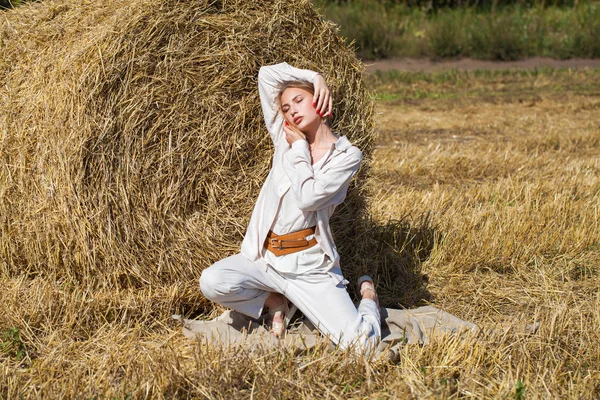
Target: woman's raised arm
[{"x": 269, "y": 78}]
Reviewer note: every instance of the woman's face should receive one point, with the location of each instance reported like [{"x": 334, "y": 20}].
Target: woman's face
[{"x": 297, "y": 108}]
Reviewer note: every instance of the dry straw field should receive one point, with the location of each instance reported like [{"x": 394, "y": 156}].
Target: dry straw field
[{"x": 132, "y": 149}]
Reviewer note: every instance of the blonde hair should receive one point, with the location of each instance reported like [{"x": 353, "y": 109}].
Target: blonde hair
[{"x": 297, "y": 84}]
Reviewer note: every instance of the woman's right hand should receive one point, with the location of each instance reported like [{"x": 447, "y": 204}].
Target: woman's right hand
[
  {"x": 292, "y": 133},
  {"x": 322, "y": 101}
]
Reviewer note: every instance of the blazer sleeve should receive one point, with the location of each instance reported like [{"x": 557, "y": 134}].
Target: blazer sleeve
[
  {"x": 327, "y": 188},
  {"x": 269, "y": 78}
]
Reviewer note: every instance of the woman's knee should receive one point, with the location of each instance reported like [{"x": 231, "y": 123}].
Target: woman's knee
[{"x": 212, "y": 284}]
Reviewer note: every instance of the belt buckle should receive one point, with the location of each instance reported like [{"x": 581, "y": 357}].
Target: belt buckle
[{"x": 276, "y": 243}]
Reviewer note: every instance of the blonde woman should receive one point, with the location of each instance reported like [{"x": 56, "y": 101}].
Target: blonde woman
[{"x": 288, "y": 259}]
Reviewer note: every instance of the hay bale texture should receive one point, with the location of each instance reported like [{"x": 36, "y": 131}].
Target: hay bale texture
[{"x": 132, "y": 145}]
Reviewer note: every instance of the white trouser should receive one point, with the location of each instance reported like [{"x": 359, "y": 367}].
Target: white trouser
[{"x": 242, "y": 285}]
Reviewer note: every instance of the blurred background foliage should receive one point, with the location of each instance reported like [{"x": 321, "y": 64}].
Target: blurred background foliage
[
  {"x": 440, "y": 4},
  {"x": 6, "y": 4},
  {"x": 492, "y": 30}
]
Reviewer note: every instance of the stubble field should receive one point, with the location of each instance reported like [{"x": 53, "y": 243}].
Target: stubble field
[{"x": 499, "y": 169}]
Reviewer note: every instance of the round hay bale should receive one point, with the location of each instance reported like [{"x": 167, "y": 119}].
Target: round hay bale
[{"x": 132, "y": 144}]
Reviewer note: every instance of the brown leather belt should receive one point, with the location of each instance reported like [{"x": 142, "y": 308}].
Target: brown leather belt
[{"x": 281, "y": 245}]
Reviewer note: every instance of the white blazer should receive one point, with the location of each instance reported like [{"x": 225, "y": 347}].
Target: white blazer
[{"x": 319, "y": 191}]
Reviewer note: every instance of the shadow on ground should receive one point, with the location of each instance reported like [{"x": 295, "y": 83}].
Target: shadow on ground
[{"x": 392, "y": 253}]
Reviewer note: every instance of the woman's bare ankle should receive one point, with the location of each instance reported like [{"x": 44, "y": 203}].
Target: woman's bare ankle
[{"x": 367, "y": 291}]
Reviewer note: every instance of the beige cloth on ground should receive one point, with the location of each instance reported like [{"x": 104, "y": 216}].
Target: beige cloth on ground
[{"x": 414, "y": 326}]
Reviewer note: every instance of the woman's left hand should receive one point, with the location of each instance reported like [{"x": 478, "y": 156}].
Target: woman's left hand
[
  {"x": 322, "y": 100},
  {"x": 292, "y": 133}
]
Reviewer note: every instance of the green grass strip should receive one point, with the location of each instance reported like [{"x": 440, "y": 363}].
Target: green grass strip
[{"x": 397, "y": 85}]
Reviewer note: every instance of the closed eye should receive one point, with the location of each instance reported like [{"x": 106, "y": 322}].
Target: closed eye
[{"x": 297, "y": 99}]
